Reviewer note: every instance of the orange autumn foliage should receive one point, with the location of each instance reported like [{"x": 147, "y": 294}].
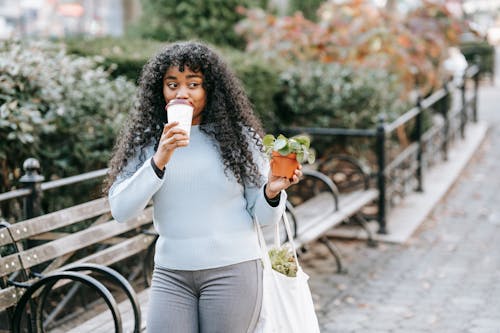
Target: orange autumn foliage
[{"x": 359, "y": 34}]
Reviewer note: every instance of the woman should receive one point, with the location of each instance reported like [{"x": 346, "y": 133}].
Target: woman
[{"x": 206, "y": 188}]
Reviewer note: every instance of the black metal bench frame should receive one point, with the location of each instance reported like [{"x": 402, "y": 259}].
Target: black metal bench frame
[
  {"x": 316, "y": 231},
  {"x": 18, "y": 296}
]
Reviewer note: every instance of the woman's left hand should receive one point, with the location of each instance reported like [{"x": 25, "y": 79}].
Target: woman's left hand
[{"x": 276, "y": 184}]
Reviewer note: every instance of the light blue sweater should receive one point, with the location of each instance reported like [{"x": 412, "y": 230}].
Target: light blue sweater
[{"x": 203, "y": 217}]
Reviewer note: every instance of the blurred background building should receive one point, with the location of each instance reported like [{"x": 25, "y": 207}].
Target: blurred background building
[
  {"x": 485, "y": 17},
  {"x": 60, "y": 18}
]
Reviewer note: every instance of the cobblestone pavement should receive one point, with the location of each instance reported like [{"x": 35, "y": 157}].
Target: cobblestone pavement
[{"x": 446, "y": 278}]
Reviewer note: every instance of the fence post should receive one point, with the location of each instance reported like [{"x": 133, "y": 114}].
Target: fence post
[
  {"x": 32, "y": 180},
  {"x": 476, "y": 89},
  {"x": 418, "y": 125},
  {"x": 380, "y": 148},
  {"x": 463, "y": 110},
  {"x": 446, "y": 126}
]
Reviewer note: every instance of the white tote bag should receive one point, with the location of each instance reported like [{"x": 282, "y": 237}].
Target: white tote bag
[{"x": 286, "y": 301}]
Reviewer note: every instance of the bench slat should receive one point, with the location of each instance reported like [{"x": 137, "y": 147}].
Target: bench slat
[
  {"x": 319, "y": 205},
  {"x": 119, "y": 251},
  {"x": 9, "y": 264},
  {"x": 50, "y": 236},
  {"x": 82, "y": 239},
  {"x": 5, "y": 237},
  {"x": 73, "y": 242},
  {"x": 312, "y": 225},
  {"x": 9, "y": 297},
  {"x": 102, "y": 323},
  {"x": 55, "y": 220}
]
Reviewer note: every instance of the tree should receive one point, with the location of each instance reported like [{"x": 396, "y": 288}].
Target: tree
[
  {"x": 210, "y": 20},
  {"x": 360, "y": 34}
]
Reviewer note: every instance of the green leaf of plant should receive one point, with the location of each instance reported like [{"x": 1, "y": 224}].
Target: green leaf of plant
[
  {"x": 300, "y": 157},
  {"x": 285, "y": 150},
  {"x": 312, "y": 156},
  {"x": 303, "y": 140},
  {"x": 268, "y": 140},
  {"x": 280, "y": 143},
  {"x": 294, "y": 146}
]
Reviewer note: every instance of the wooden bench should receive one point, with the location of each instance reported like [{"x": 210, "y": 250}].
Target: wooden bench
[
  {"x": 47, "y": 255},
  {"x": 319, "y": 210},
  {"x": 45, "y": 260}
]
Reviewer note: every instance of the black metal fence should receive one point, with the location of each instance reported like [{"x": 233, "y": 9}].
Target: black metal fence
[
  {"x": 33, "y": 187},
  {"x": 394, "y": 179},
  {"x": 404, "y": 173}
]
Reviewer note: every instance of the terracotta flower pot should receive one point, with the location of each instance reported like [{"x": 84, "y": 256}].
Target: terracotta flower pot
[{"x": 283, "y": 166}]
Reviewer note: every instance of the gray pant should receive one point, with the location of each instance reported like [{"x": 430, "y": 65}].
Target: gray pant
[{"x": 219, "y": 300}]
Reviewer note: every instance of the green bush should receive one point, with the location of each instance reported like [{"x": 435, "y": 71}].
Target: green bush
[
  {"x": 64, "y": 110},
  {"x": 333, "y": 95},
  {"x": 209, "y": 20},
  {"x": 308, "y": 8},
  {"x": 122, "y": 56},
  {"x": 481, "y": 53},
  {"x": 261, "y": 83},
  {"x": 127, "y": 56}
]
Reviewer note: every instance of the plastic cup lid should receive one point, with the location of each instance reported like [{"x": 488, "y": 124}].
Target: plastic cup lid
[{"x": 178, "y": 101}]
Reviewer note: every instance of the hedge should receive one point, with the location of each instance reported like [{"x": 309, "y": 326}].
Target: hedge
[
  {"x": 65, "y": 110},
  {"x": 334, "y": 95},
  {"x": 123, "y": 56}
]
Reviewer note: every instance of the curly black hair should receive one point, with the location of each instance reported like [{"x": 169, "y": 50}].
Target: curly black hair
[{"x": 227, "y": 117}]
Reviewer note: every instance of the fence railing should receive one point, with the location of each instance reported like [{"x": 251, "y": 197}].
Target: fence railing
[
  {"x": 394, "y": 179},
  {"x": 34, "y": 186},
  {"x": 405, "y": 172}
]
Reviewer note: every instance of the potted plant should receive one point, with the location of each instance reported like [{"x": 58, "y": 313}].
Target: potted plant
[
  {"x": 283, "y": 261},
  {"x": 287, "y": 153}
]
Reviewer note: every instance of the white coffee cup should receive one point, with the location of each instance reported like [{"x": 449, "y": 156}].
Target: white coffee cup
[{"x": 182, "y": 111}]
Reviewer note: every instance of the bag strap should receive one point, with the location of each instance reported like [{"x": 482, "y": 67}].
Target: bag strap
[
  {"x": 263, "y": 245},
  {"x": 290, "y": 237}
]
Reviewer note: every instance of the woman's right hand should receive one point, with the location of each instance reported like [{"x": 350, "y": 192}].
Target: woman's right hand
[{"x": 171, "y": 139}]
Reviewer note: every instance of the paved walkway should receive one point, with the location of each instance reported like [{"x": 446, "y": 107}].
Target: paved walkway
[{"x": 446, "y": 278}]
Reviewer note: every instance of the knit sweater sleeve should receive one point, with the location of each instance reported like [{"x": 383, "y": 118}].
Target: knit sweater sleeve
[
  {"x": 260, "y": 208},
  {"x": 133, "y": 188}
]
